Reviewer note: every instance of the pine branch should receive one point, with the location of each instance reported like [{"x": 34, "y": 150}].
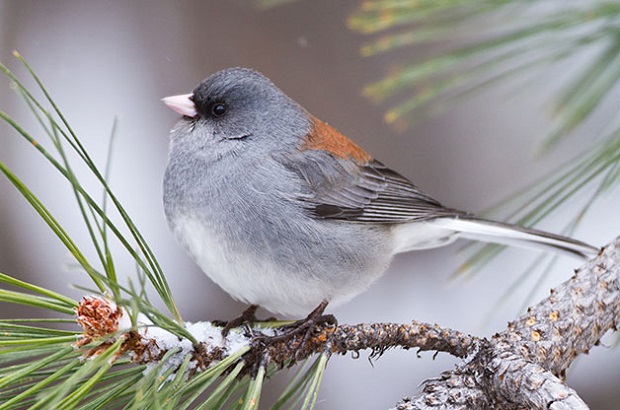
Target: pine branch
[{"x": 521, "y": 367}]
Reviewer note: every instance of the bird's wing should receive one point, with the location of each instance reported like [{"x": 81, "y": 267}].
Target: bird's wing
[{"x": 337, "y": 188}]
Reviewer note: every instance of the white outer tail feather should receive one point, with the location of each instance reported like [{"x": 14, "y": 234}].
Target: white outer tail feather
[{"x": 507, "y": 234}]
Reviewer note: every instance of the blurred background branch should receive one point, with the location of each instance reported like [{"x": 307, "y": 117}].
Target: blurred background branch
[
  {"x": 477, "y": 43},
  {"x": 491, "y": 41}
]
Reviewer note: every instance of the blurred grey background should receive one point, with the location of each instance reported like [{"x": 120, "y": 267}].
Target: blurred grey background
[{"x": 107, "y": 60}]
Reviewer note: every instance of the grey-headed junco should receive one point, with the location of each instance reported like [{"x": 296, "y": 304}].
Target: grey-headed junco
[{"x": 283, "y": 211}]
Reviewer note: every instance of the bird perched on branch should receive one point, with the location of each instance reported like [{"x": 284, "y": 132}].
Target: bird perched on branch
[{"x": 283, "y": 211}]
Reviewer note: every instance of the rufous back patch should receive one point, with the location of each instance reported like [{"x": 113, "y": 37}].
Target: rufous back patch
[{"x": 327, "y": 138}]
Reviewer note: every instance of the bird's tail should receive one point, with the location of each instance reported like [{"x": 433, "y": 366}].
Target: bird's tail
[{"x": 507, "y": 234}]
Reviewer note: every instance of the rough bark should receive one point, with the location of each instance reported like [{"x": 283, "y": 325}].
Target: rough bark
[{"x": 523, "y": 367}]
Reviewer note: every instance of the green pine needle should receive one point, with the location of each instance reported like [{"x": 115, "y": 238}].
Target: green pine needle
[
  {"x": 93, "y": 214},
  {"x": 39, "y": 365},
  {"x": 315, "y": 382}
]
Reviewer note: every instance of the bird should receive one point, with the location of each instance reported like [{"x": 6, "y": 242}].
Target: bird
[{"x": 283, "y": 211}]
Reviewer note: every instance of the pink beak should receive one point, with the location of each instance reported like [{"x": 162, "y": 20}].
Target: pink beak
[{"x": 181, "y": 104}]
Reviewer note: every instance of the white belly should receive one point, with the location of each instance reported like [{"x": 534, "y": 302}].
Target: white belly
[{"x": 255, "y": 279}]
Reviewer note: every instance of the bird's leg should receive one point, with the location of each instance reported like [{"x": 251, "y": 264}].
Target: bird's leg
[
  {"x": 246, "y": 318},
  {"x": 316, "y": 317},
  {"x": 307, "y": 326}
]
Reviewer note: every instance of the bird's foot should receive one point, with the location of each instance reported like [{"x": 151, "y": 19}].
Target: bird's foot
[
  {"x": 247, "y": 318},
  {"x": 302, "y": 330}
]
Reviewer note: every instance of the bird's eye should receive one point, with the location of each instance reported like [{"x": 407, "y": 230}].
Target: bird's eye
[{"x": 219, "y": 109}]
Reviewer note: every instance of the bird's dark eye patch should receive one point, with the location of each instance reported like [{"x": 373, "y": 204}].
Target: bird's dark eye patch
[{"x": 218, "y": 109}]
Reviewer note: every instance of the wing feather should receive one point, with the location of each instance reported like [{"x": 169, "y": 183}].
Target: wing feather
[{"x": 336, "y": 188}]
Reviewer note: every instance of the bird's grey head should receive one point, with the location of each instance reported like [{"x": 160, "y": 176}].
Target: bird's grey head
[{"x": 238, "y": 111}]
